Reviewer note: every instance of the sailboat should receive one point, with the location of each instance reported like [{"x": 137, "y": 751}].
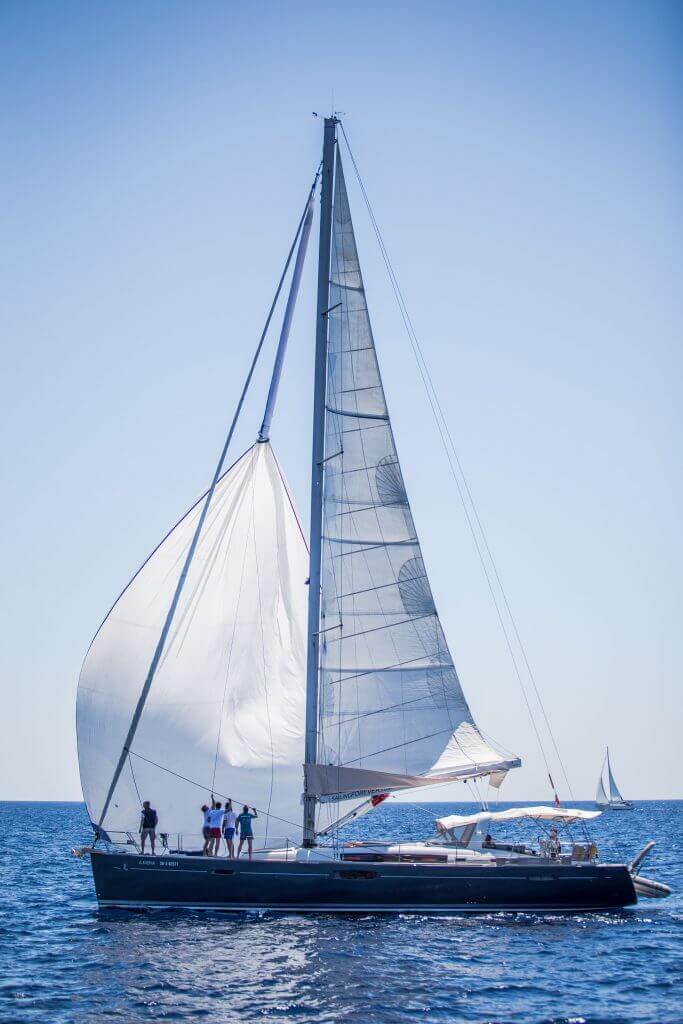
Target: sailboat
[
  {"x": 615, "y": 801},
  {"x": 307, "y": 681}
]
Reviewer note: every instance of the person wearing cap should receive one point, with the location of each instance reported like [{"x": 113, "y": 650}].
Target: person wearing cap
[{"x": 244, "y": 821}]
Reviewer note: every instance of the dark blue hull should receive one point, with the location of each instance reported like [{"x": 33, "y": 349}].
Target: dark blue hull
[{"x": 124, "y": 880}]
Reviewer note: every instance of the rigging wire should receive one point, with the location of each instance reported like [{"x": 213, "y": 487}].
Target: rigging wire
[
  {"x": 133, "y": 776},
  {"x": 409, "y": 803},
  {"x": 204, "y": 787},
  {"x": 454, "y": 460}
]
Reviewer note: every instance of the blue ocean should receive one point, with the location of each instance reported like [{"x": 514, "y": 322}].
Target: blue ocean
[{"x": 61, "y": 960}]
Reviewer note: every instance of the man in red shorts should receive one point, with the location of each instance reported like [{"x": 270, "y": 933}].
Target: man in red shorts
[{"x": 215, "y": 822}]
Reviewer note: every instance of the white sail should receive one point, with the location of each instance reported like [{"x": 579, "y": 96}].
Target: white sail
[
  {"x": 390, "y": 700},
  {"x": 601, "y": 796},
  {"x": 614, "y": 794},
  {"x": 226, "y": 706}
]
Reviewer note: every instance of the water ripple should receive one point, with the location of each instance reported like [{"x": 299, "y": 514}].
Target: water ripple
[{"x": 63, "y": 962}]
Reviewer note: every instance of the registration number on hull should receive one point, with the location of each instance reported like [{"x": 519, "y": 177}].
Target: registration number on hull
[{"x": 158, "y": 863}]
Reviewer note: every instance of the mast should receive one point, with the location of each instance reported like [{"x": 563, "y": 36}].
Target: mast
[{"x": 317, "y": 471}]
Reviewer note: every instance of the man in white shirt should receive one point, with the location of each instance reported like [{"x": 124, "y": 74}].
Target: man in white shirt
[
  {"x": 215, "y": 823},
  {"x": 229, "y": 821}
]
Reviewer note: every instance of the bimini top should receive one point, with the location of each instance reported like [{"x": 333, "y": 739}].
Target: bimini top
[{"x": 565, "y": 814}]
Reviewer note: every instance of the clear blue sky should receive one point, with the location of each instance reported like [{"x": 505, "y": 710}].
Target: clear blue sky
[{"x": 524, "y": 161}]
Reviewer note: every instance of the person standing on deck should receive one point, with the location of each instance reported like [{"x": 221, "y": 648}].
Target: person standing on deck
[
  {"x": 215, "y": 831},
  {"x": 554, "y": 847},
  {"x": 148, "y": 823},
  {"x": 229, "y": 824},
  {"x": 206, "y": 829},
  {"x": 244, "y": 821}
]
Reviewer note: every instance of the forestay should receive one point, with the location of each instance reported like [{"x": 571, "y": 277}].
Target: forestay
[
  {"x": 226, "y": 708},
  {"x": 390, "y": 700}
]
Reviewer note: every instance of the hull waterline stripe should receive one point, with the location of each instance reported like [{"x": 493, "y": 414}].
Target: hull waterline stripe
[{"x": 360, "y": 908}]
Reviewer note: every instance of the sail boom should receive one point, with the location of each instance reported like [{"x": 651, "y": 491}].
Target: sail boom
[
  {"x": 357, "y": 415},
  {"x": 332, "y": 782}
]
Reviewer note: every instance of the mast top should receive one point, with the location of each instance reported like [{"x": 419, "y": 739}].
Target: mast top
[{"x": 332, "y": 118}]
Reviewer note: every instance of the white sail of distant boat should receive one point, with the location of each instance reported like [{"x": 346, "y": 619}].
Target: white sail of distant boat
[
  {"x": 218, "y": 704},
  {"x": 613, "y": 801},
  {"x": 613, "y": 788},
  {"x": 601, "y": 798}
]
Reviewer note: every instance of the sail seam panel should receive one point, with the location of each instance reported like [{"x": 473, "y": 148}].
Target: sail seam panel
[
  {"x": 371, "y": 590},
  {"x": 398, "y": 666},
  {"x": 357, "y": 415}
]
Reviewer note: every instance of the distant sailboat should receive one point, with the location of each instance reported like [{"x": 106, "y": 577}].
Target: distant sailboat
[{"x": 615, "y": 801}]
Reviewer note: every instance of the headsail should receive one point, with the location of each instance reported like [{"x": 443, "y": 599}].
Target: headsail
[
  {"x": 614, "y": 793},
  {"x": 227, "y": 706},
  {"x": 390, "y": 700},
  {"x": 195, "y": 676}
]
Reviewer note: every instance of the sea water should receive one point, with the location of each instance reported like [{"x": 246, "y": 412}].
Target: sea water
[{"x": 61, "y": 960}]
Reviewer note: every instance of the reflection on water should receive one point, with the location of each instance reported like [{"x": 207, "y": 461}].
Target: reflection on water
[{"x": 62, "y": 961}]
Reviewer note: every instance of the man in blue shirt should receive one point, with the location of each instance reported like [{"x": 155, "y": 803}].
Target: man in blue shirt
[{"x": 244, "y": 821}]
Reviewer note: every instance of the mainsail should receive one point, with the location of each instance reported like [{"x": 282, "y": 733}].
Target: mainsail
[
  {"x": 226, "y": 709},
  {"x": 601, "y": 796},
  {"x": 390, "y": 701}
]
